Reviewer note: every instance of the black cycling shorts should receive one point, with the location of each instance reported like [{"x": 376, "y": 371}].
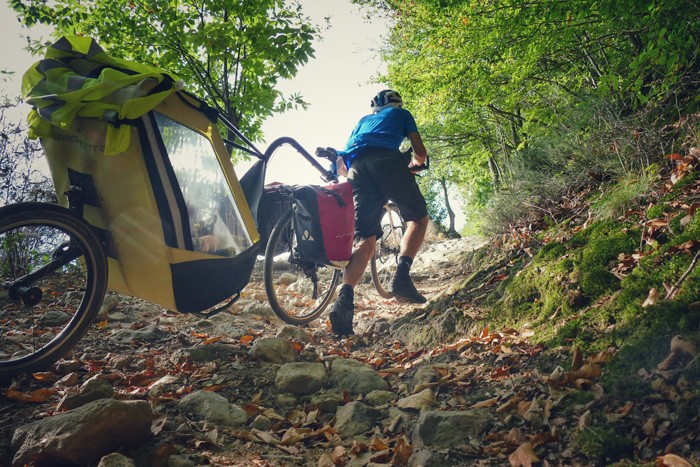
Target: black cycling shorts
[{"x": 377, "y": 176}]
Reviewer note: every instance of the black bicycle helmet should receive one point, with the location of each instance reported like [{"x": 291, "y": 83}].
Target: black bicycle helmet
[{"x": 386, "y": 97}]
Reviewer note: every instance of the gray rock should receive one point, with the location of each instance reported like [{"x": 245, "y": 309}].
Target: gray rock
[
  {"x": 327, "y": 401},
  {"x": 293, "y": 332},
  {"x": 425, "y": 374},
  {"x": 200, "y": 353},
  {"x": 423, "y": 457},
  {"x": 354, "y": 377},
  {"x": 116, "y": 460},
  {"x": 301, "y": 378},
  {"x": 260, "y": 309},
  {"x": 441, "y": 430},
  {"x": 91, "y": 390},
  {"x": 213, "y": 407},
  {"x": 355, "y": 418},
  {"x": 68, "y": 366},
  {"x": 55, "y": 318},
  {"x": 273, "y": 350},
  {"x": 261, "y": 423},
  {"x": 147, "y": 334},
  {"x": 82, "y": 436},
  {"x": 379, "y": 397},
  {"x": 110, "y": 303},
  {"x": 181, "y": 461}
]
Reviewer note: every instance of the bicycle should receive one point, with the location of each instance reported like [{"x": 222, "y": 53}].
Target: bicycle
[{"x": 299, "y": 291}]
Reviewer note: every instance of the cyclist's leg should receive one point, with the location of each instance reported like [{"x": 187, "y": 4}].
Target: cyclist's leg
[
  {"x": 362, "y": 253},
  {"x": 414, "y": 236}
]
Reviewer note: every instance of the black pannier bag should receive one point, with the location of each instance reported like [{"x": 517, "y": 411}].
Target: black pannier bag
[{"x": 276, "y": 200}]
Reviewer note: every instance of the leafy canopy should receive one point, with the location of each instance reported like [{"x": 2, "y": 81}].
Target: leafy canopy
[{"x": 231, "y": 51}]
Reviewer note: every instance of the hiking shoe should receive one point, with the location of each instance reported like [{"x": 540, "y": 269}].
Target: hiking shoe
[
  {"x": 402, "y": 288},
  {"x": 341, "y": 316}
]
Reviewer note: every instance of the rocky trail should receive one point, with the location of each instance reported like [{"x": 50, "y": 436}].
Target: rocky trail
[{"x": 149, "y": 387}]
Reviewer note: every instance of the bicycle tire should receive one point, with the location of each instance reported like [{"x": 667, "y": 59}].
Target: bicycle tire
[
  {"x": 37, "y": 333},
  {"x": 289, "y": 279},
  {"x": 386, "y": 254}
]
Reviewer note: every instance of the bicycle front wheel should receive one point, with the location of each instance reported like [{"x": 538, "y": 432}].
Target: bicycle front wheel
[
  {"x": 298, "y": 290},
  {"x": 386, "y": 254},
  {"x": 53, "y": 277}
]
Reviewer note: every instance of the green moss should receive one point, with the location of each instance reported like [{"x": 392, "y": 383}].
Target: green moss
[
  {"x": 657, "y": 210},
  {"x": 598, "y": 280},
  {"x": 550, "y": 251},
  {"x": 603, "y": 445}
]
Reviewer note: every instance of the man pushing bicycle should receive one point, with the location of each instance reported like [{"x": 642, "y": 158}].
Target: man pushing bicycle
[{"x": 378, "y": 172}]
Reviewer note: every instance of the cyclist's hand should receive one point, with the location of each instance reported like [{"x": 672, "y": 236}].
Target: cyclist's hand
[
  {"x": 340, "y": 164},
  {"x": 417, "y": 165}
]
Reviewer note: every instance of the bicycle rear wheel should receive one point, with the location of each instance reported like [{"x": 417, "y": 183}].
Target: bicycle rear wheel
[
  {"x": 298, "y": 290},
  {"x": 53, "y": 277},
  {"x": 386, "y": 255}
]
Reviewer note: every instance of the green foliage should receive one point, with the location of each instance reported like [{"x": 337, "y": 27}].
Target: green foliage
[
  {"x": 232, "y": 52},
  {"x": 509, "y": 90}
]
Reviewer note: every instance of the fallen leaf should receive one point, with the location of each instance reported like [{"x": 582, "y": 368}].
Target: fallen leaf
[
  {"x": 577, "y": 359},
  {"x": 516, "y": 437},
  {"x": 672, "y": 460},
  {"x": 524, "y": 456},
  {"x": 486, "y": 403},
  {"x": 652, "y": 299},
  {"x": 247, "y": 339},
  {"x": 683, "y": 346},
  {"x": 36, "y": 396},
  {"x": 669, "y": 362}
]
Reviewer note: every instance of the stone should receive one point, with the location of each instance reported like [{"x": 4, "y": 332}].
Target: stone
[
  {"x": 127, "y": 336},
  {"x": 424, "y": 457},
  {"x": 91, "y": 390},
  {"x": 327, "y": 401},
  {"x": 354, "y": 377},
  {"x": 355, "y": 418},
  {"x": 419, "y": 401},
  {"x": 273, "y": 350},
  {"x": 83, "y": 435},
  {"x": 379, "y": 397},
  {"x": 213, "y": 407},
  {"x": 260, "y": 309},
  {"x": 116, "y": 460},
  {"x": 443, "y": 429},
  {"x": 55, "y": 318},
  {"x": 293, "y": 332},
  {"x": 301, "y": 378}
]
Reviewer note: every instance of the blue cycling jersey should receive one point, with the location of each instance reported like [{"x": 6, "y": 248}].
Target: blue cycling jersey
[{"x": 384, "y": 129}]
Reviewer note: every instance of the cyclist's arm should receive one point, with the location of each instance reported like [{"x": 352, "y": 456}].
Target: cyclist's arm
[{"x": 419, "y": 151}]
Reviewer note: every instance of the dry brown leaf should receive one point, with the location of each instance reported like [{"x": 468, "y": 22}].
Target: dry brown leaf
[
  {"x": 402, "y": 451},
  {"x": 376, "y": 445},
  {"x": 338, "y": 454},
  {"x": 669, "y": 362},
  {"x": 485, "y": 403},
  {"x": 683, "y": 346},
  {"x": 652, "y": 299},
  {"x": 516, "y": 437},
  {"x": 524, "y": 456},
  {"x": 577, "y": 360},
  {"x": 37, "y": 396},
  {"x": 672, "y": 460}
]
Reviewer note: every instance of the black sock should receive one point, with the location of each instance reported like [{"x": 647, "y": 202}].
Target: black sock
[
  {"x": 404, "y": 265},
  {"x": 347, "y": 291}
]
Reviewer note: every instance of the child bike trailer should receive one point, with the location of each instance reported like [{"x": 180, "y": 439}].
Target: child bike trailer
[{"x": 148, "y": 165}]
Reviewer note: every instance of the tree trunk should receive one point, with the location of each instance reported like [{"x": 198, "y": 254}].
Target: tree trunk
[{"x": 451, "y": 231}]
